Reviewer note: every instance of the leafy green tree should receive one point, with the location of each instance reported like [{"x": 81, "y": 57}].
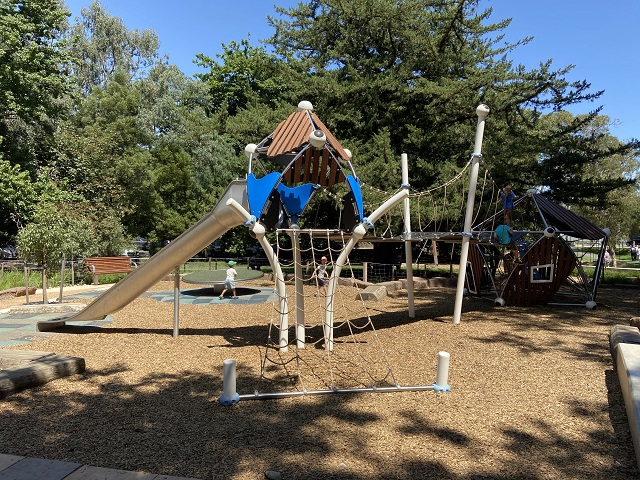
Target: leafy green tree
[
  {"x": 581, "y": 163},
  {"x": 413, "y": 71},
  {"x": 42, "y": 241},
  {"x": 33, "y": 83},
  {"x": 618, "y": 206},
  {"x": 108, "y": 149},
  {"x": 246, "y": 74},
  {"x": 47, "y": 237},
  {"x": 174, "y": 182},
  {"x": 101, "y": 45},
  {"x": 17, "y": 201}
]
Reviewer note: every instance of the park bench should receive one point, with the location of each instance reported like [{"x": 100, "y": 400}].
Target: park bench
[{"x": 107, "y": 265}]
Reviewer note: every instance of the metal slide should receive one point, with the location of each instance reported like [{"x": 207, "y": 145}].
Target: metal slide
[{"x": 221, "y": 219}]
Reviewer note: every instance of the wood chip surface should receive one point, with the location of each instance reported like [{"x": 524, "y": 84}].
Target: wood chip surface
[{"x": 533, "y": 393}]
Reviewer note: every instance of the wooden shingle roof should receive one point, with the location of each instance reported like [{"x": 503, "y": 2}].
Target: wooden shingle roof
[{"x": 293, "y": 133}]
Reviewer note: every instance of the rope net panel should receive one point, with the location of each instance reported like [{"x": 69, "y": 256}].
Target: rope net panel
[{"x": 358, "y": 358}]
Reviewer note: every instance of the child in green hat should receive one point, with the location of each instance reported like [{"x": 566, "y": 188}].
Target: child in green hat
[{"x": 230, "y": 282}]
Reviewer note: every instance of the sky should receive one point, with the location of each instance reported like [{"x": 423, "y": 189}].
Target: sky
[{"x": 598, "y": 37}]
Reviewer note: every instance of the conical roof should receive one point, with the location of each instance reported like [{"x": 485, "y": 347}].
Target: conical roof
[{"x": 292, "y": 134}]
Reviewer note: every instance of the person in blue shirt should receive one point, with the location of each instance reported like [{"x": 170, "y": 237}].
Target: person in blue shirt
[
  {"x": 507, "y": 197},
  {"x": 503, "y": 234}
]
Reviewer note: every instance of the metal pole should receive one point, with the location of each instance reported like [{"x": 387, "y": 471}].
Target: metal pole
[
  {"x": 267, "y": 396},
  {"x": 299, "y": 286},
  {"x": 229, "y": 394},
  {"x": 407, "y": 230},
  {"x": 482, "y": 111},
  {"x": 358, "y": 232},
  {"x": 442, "y": 376},
  {"x": 259, "y": 230},
  {"x": 176, "y": 302}
]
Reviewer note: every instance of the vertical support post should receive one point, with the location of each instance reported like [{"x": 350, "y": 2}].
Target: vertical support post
[
  {"x": 482, "y": 111},
  {"x": 407, "y": 230},
  {"x": 434, "y": 249},
  {"x": 260, "y": 232},
  {"x": 442, "y": 377},
  {"x": 365, "y": 272},
  {"x": 297, "y": 272},
  {"x": 358, "y": 232},
  {"x": 176, "y": 301},
  {"x": 229, "y": 394}
]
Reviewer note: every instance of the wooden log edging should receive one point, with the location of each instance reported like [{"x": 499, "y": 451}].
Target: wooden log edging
[{"x": 20, "y": 370}]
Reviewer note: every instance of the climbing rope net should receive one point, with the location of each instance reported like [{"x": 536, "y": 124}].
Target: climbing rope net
[{"x": 358, "y": 358}]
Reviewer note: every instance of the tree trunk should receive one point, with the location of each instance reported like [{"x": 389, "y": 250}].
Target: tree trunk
[
  {"x": 61, "y": 279},
  {"x": 45, "y": 299}
]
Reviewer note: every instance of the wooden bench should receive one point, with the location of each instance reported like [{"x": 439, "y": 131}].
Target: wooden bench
[{"x": 106, "y": 265}]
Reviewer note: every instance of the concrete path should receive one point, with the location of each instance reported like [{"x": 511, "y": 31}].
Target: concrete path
[
  {"x": 14, "y": 467},
  {"x": 625, "y": 349}
]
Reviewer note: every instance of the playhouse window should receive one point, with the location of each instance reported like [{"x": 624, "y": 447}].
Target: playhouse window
[{"x": 541, "y": 273}]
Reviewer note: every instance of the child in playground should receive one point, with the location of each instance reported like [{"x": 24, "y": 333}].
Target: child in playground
[
  {"x": 230, "y": 281},
  {"x": 503, "y": 234},
  {"x": 321, "y": 276},
  {"x": 507, "y": 197}
]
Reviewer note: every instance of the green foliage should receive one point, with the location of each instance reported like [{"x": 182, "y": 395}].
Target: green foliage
[
  {"x": 102, "y": 45},
  {"x": 178, "y": 193},
  {"x": 42, "y": 241},
  {"x": 141, "y": 149},
  {"x": 245, "y": 75},
  {"x": 412, "y": 73},
  {"x": 33, "y": 84},
  {"x": 31, "y": 57},
  {"x": 17, "y": 200}
]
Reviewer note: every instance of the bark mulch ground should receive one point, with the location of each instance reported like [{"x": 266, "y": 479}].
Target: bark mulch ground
[{"x": 533, "y": 393}]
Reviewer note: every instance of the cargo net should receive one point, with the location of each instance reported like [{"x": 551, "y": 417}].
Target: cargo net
[{"x": 357, "y": 358}]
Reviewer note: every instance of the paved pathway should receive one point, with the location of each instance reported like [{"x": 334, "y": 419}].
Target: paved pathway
[{"x": 15, "y": 467}]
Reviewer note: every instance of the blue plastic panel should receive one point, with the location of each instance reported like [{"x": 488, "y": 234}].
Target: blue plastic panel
[{"x": 258, "y": 191}]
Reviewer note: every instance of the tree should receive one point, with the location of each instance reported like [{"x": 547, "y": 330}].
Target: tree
[
  {"x": 247, "y": 74},
  {"x": 414, "y": 71},
  {"x": 33, "y": 83},
  {"x": 619, "y": 205},
  {"x": 174, "y": 182},
  {"x": 17, "y": 201},
  {"x": 42, "y": 241},
  {"x": 55, "y": 229},
  {"x": 102, "y": 45}
]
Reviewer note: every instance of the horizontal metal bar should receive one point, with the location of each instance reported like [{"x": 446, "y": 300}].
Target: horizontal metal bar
[{"x": 267, "y": 396}]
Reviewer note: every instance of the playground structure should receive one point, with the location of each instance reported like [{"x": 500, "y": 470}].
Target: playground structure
[
  {"x": 301, "y": 158},
  {"x": 536, "y": 266},
  {"x": 541, "y": 267},
  {"x": 307, "y": 158}
]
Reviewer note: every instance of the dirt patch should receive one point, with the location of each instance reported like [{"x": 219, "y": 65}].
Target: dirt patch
[{"x": 533, "y": 393}]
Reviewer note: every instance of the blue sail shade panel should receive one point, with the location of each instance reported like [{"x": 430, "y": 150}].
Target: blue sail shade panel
[
  {"x": 259, "y": 190},
  {"x": 295, "y": 199},
  {"x": 354, "y": 183}
]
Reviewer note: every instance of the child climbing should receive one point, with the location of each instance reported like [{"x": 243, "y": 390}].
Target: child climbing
[
  {"x": 507, "y": 197},
  {"x": 230, "y": 281},
  {"x": 321, "y": 276}
]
